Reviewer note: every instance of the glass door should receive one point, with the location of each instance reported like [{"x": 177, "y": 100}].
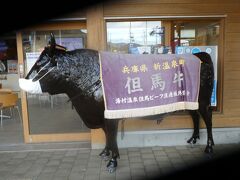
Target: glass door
[{"x": 50, "y": 117}]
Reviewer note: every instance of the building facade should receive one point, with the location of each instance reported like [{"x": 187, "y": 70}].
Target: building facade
[{"x": 138, "y": 26}]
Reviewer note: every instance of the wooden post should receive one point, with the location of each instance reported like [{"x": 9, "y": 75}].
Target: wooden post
[{"x": 96, "y": 39}]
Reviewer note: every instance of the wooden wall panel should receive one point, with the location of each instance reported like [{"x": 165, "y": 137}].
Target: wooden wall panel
[
  {"x": 233, "y": 27},
  {"x": 232, "y": 75},
  {"x": 233, "y": 36},
  {"x": 233, "y": 17},
  {"x": 53, "y": 26},
  {"x": 235, "y": 66},
  {"x": 96, "y": 38},
  {"x": 174, "y": 2},
  {"x": 168, "y": 9},
  {"x": 232, "y": 46}
]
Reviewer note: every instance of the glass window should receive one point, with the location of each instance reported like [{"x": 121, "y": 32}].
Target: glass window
[
  {"x": 8, "y": 53},
  {"x": 196, "y": 36},
  {"x": 192, "y": 33},
  {"x": 8, "y": 62},
  {"x": 138, "y": 37},
  {"x": 51, "y": 113}
]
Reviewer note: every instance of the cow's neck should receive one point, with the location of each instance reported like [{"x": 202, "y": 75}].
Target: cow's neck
[{"x": 82, "y": 71}]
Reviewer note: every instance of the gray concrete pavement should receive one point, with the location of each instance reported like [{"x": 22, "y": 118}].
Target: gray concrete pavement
[{"x": 64, "y": 163}]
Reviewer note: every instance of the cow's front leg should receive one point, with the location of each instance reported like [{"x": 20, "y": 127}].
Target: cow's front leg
[
  {"x": 105, "y": 154},
  {"x": 112, "y": 129},
  {"x": 112, "y": 165}
]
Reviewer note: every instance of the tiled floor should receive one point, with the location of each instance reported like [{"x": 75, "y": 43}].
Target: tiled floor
[{"x": 83, "y": 163}]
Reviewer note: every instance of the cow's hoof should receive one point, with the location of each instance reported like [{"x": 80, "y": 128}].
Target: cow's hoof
[
  {"x": 111, "y": 169},
  {"x": 209, "y": 156},
  {"x": 209, "y": 150},
  {"x": 105, "y": 155},
  {"x": 193, "y": 140},
  {"x": 112, "y": 166}
]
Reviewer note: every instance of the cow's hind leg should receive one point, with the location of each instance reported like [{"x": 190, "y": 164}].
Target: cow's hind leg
[
  {"x": 112, "y": 129},
  {"x": 105, "y": 154},
  {"x": 206, "y": 112},
  {"x": 195, "y": 117}
]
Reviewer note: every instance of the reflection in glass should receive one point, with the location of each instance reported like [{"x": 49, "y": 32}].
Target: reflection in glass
[
  {"x": 193, "y": 33},
  {"x": 51, "y": 113},
  {"x": 138, "y": 37},
  {"x": 148, "y": 37}
]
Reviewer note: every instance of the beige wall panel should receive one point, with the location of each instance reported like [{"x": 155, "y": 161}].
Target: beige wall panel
[
  {"x": 234, "y": 93},
  {"x": 233, "y": 17},
  {"x": 95, "y": 28},
  {"x": 231, "y": 55},
  {"x": 233, "y": 37},
  {"x": 169, "y": 122},
  {"x": 54, "y": 26},
  {"x": 232, "y": 46},
  {"x": 97, "y": 136},
  {"x": 232, "y": 111},
  {"x": 230, "y": 84},
  {"x": 233, "y": 27},
  {"x": 226, "y": 122},
  {"x": 96, "y": 39},
  {"x": 233, "y": 66},
  {"x": 232, "y": 75},
  {"x": 178, "y": 122}
]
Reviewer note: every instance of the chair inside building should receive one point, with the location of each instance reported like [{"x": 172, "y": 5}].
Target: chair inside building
[{"x": 8, "y": 101}]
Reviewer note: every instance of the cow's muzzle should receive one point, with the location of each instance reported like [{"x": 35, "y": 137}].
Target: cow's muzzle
[{"x": 30, "y": 86}]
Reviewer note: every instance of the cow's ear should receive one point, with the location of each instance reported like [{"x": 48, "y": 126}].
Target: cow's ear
[{"x": 52, "y": 43}]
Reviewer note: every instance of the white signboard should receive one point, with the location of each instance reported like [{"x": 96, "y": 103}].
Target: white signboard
[{"x": 31, "y": 58}]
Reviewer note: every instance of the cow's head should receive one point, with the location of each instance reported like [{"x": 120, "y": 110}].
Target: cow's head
[{"x": 45, "y": 75}]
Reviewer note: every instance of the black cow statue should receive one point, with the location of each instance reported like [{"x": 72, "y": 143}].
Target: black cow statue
[{"x": 77, "y": 73}]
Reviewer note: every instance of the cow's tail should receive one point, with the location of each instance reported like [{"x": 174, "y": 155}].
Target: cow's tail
[
  {"x": 207, "y": 74},
  {"x": 206, "y": 59}
]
